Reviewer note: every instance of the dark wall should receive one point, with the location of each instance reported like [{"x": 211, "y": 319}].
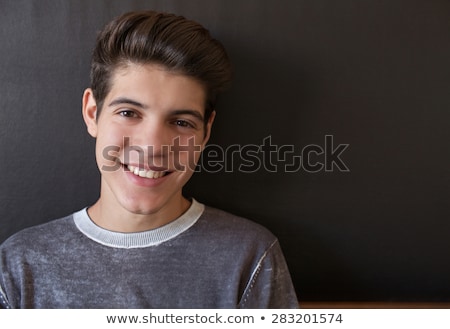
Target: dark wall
[{"x": 360, "y": 89}]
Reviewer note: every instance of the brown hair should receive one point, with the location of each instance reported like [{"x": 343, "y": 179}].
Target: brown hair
[{"x": 179, "y": 44}]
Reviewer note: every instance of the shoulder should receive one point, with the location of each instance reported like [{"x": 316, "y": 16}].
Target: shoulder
[
  {"x": 39, "y": 235},
  {"x": 228, "y": 225}
]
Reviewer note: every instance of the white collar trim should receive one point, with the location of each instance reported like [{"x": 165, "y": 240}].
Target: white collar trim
[{"x": 138, "y": 239}]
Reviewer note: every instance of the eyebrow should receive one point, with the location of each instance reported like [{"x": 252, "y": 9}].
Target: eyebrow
[
  {"x": 125, "y": 100},
  {"x": 194, "y": 113}
]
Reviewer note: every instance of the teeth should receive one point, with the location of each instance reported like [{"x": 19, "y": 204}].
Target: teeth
[{"x": 146, "y": 173}]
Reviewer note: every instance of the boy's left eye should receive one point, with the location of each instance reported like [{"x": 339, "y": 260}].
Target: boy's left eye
[{"x": 182, "y": 123}]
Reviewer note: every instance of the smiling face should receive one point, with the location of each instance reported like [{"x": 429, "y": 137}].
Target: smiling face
[{"x": 150, "y": 133}]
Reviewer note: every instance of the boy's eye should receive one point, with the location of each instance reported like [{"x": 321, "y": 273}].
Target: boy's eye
[
  {"x": 183, "y": 123},
  {"x": 127, "y": 114}
]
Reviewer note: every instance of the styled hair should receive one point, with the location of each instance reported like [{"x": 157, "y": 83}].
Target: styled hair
[{"x": 148, "y": 37}]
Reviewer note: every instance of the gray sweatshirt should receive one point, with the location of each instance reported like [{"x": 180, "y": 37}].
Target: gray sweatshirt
[{"x": 206, "y": 258}]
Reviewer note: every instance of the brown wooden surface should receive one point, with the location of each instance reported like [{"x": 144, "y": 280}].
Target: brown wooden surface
[{"x": 372, "y": 305}]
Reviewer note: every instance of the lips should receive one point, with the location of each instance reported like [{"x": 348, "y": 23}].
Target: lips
[{"x": 147, "y": 173}]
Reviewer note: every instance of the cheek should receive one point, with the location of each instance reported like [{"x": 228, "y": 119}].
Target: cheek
[
  {"x": 185, "y": 153},
  {"x": 111, "y": 135},
  {"x": 109, "y": 145}
]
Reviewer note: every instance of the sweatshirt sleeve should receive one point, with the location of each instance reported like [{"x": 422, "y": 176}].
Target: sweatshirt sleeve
[
  {"x": 3, "y": 298},
  {"x": 270, "y": 286},
  {"x": 3, "y": 301}
]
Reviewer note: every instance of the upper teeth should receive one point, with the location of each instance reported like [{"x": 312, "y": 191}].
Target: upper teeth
[{"x": 145, "y": 173}]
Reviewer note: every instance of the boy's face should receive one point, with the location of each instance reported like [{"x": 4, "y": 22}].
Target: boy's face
[{"x": 150, "y": 134}]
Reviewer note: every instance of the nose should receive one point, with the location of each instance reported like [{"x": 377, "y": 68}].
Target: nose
[{"x": 150, "y": 144}]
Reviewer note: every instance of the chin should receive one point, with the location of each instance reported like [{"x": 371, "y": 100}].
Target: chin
[{"x": 147, "y": 208}]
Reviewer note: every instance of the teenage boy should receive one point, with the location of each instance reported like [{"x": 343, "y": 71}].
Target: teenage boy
[{"x": 155, "y": 78}]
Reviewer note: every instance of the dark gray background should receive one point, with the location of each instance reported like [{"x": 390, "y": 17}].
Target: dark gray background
[{"x": 373, "y": 74}]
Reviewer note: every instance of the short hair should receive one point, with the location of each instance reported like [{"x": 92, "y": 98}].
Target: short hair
[{"x": 178, "y": 44}]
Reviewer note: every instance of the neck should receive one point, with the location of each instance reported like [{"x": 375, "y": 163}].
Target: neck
[{"x": 113, "y": 217}]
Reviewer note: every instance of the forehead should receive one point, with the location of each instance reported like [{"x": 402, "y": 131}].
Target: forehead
[{"x": 157, "y": 86}]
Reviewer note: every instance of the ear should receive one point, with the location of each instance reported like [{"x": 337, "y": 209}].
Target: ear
[
  {"x": 90, "y": 112},
  {"x": 208, "y": 127}
]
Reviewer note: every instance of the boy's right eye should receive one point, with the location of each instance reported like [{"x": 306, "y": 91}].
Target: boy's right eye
[{"x": 127, "y": 114}]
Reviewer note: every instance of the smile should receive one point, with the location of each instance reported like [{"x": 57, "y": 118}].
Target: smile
[{"x": 146, "y": 173}]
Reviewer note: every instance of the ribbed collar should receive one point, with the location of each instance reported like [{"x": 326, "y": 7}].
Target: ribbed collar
[{"x": 139, "y": 239}]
